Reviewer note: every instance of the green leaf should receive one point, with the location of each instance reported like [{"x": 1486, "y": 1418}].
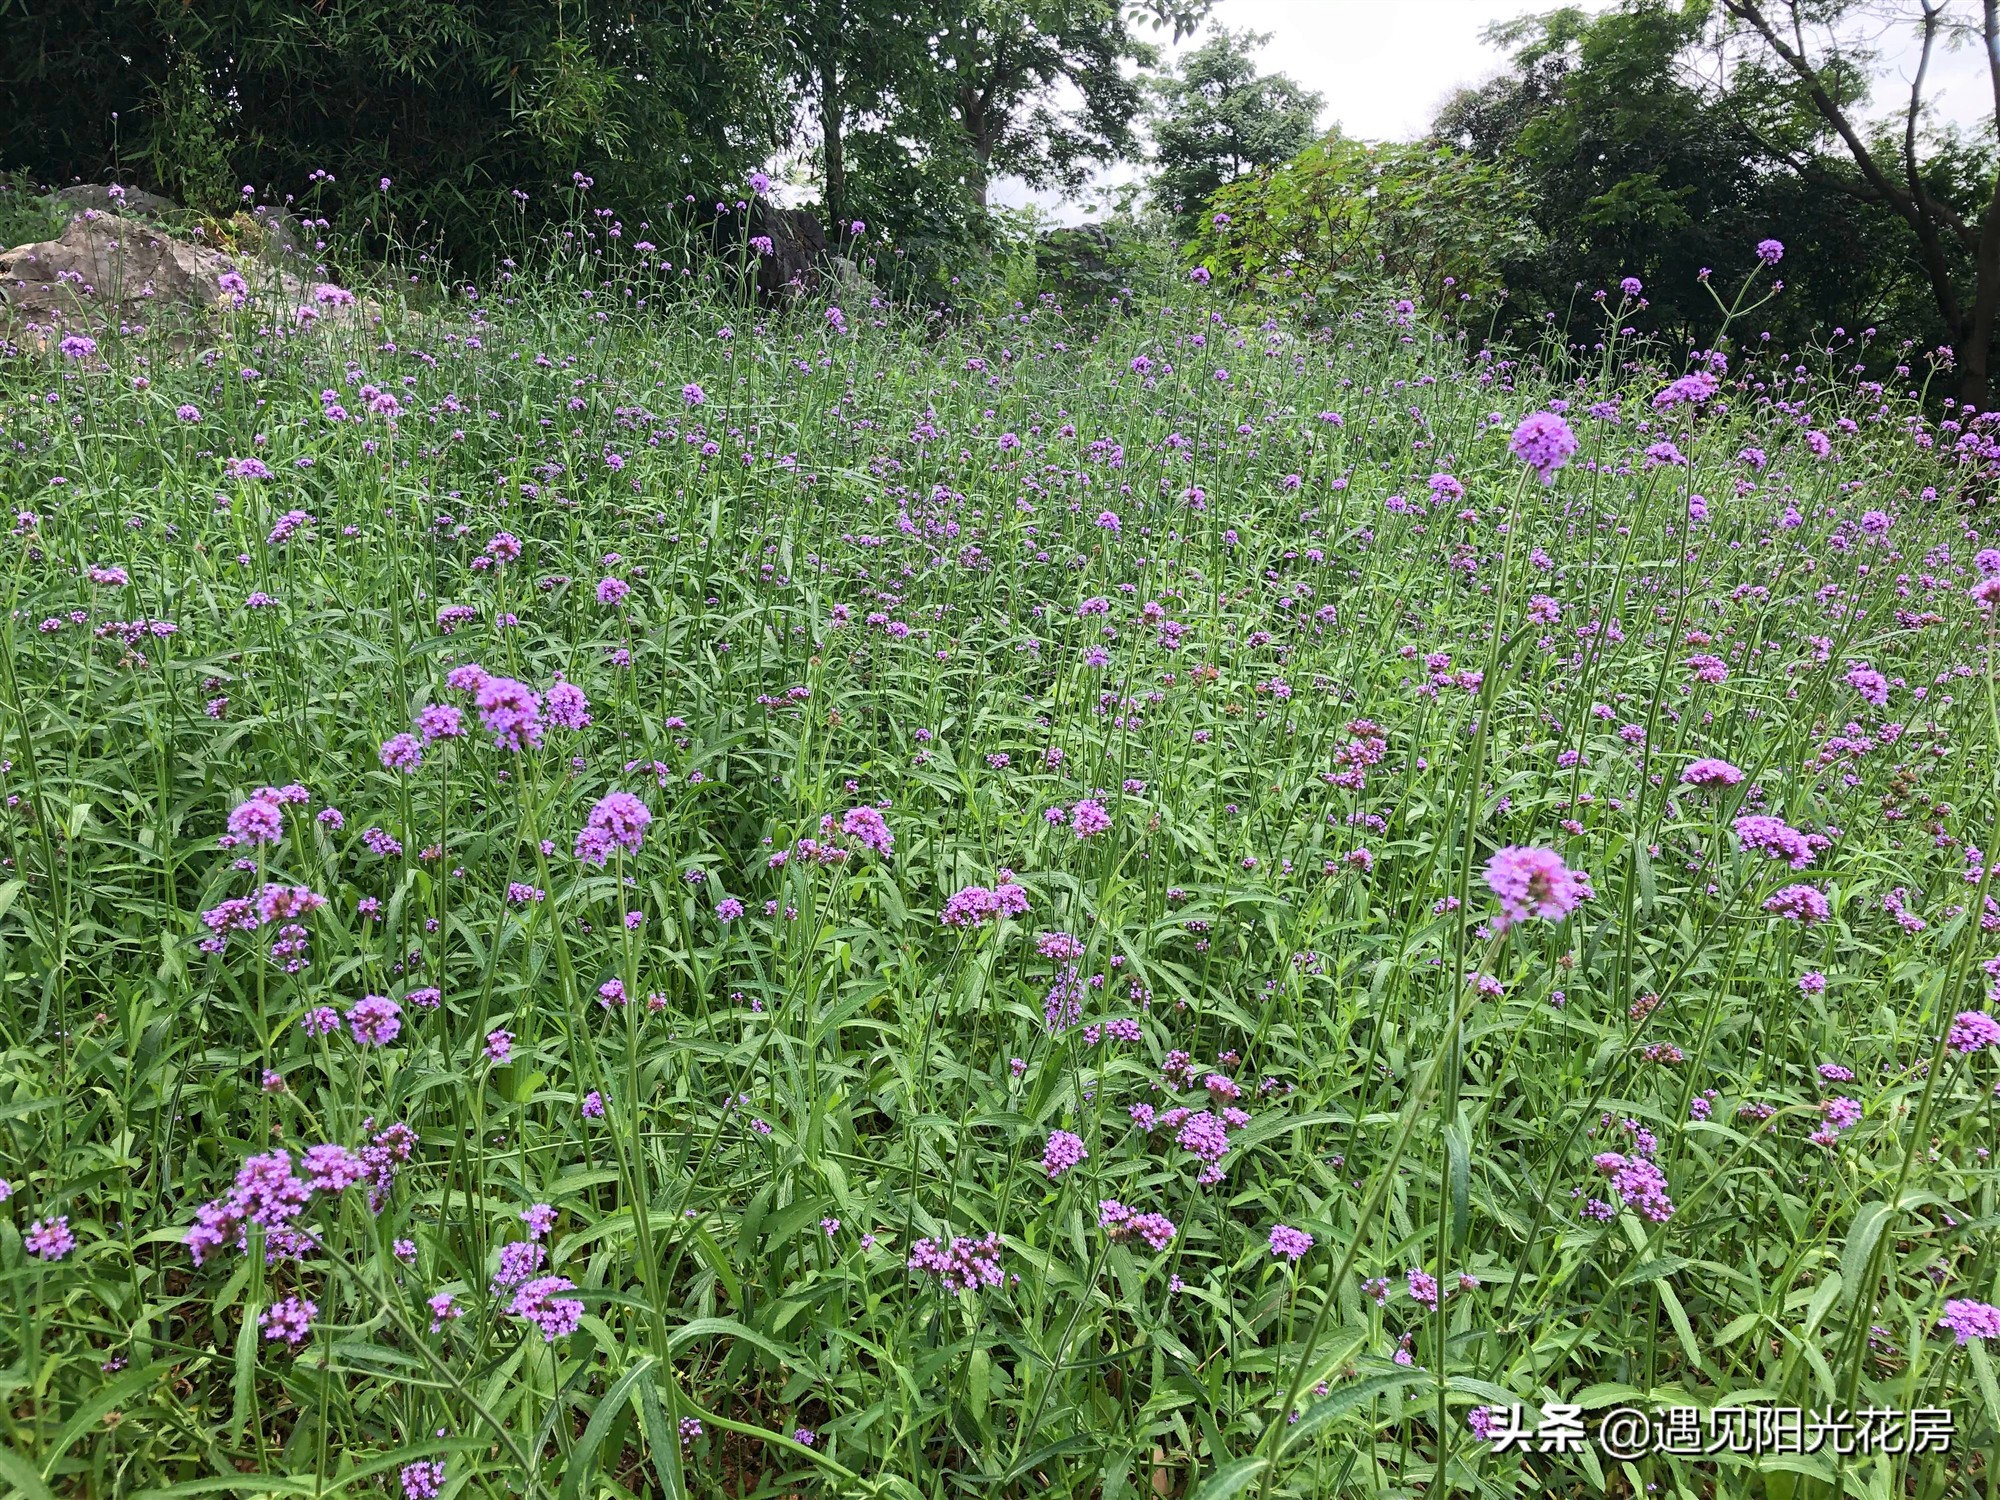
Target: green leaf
[
  {"x": 687, "y": 1333},
  {"x": 87, "y": 1415},
  {"x": 1684, "y": 1330},
  {"x": 23, "y": 1476},
  {"x": 1989, "y": 1389},
  {"x": 594, "y": 1432},
  {"x": 244, "y": 1387},
  {"x": 1861, "y": 1237},
  {"x": 1458, "y": 1170},
  {"x": 1230, "y": 1478},
  {"x": 1344, "y": 1400},
  {"x": 663, "y": 1440}
]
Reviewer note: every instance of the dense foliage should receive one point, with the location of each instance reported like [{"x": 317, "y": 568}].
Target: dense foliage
[
  {"x": 611, "y": 895},
  {"x": 1344, "y": 221},
  {"x": 1658, "y": 139},
  {"x": 1216, "y": 119},
  {"x": 1649, "y": 138},
  {"x": 477, "y": 111},
  {"x": 481, "y": 113}
]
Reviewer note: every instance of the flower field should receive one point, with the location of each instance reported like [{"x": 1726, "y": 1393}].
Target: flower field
[{"x": 610, "y": 893}]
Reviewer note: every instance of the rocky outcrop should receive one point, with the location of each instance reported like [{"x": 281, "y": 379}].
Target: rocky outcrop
[
  {"x": 111, "y": 271},
  {"x": 109, "y": 198},
  {"x": 797, "y": 253}
]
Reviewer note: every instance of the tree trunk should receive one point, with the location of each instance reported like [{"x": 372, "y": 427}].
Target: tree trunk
[
  {"x": 830, "y": 126},
  {"x": 1975, "y": 348},
  {"x": 972, "y": 119}
]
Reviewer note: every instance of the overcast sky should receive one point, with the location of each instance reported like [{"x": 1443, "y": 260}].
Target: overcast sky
[{"x": 1384, "y": 66}]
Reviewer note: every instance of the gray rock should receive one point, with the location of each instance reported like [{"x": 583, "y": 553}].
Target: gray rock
[
  {"x": 284, "y": 241},
  {"x": 107, "y": 271},
  {"x": 97, "y": 195},
  {"x": 850, "y": 281},
  {"x": 798, "y": 249}
]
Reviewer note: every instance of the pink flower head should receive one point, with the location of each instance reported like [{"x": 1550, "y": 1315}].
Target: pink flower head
[
  {"x": 1544, "y": 443},
  {"x": 619, "y": 818},
  {"x": 403, "y": 752},
  {"x": 1063, "y": 1152},
  {"x": 1121, "y": 1225},
  {"x": 257, "y": 821},
  {"x": 1711, "y": 773},
  {"x": 1973, "y": 1031},
  {"x": 977, "y": 905},
  {"x": 1799, "y": 903},
  {"x": 1533, "y": 882},
  {"x": 510, "y": 710},
  {"x": 290, "y": 1320},
  {"x": 375, "y": 1020},
  {"x": 440, "y": 721},
  {"x": 539, "y": 1303},
  {"x": 1088, "y": 817},
  {"x": 1290, "y": 1244},
  {"x": 568, "y": 707},
  {"x": 49, "y": 1239},
  {"x": 962, "y": 1265},
  {"x": 1969, "y": 1320},
  {"x": 866, "y": 827},
  {"x": 1776, "y": 839}
]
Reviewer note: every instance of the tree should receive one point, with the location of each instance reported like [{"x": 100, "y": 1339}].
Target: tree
[
  {"x": 1216, "y": 117},
  {"x": 1797, "y": 54},
  {"x": 871, "y": 65},
  {"x": 1640, "y": 166},
  {"x": 1345, "y": 219},
  {"x": 1043, "y": 88},
  {"x": 458, "y": 104}
]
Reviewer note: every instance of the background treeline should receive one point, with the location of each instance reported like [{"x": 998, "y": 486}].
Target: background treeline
[{"x": 1652, "y": 140}]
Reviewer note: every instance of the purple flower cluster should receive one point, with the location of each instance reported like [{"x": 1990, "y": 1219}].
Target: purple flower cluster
[
  {"x": 269, "y": 1194},
  {"x": 1799, "y": 903},
  {"x": 1290, "y": 1244},
  {"x": 1639, "y": 1182},
  {"x": 962, "y": 1265},
  {"x": 540, "y": 1302},
  {"x": 1121, "y": 1225},
  {"x": 1062, "y": 1152},
  {"x": 617, "y": 821},
  {"x": 49, "y": 1239},
  {"x": 1534, "y": 883},
  {"x": 977, "y": 905},
  {"x": 1544, "y": 443},
  {"x": 289, "y": 1320},
  {"x": 1973, "y": 1031},
  {"x": 1967, "y": 1320},
  {"x": 866, "y": 827},
  {"x": 1775, "y": 838},
  {"x": 1711, "y": 773}
]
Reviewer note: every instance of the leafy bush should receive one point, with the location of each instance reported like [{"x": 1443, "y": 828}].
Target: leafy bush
[
  {"x": 1343, "y": 219},
  {"x": 27, "y": 214}
]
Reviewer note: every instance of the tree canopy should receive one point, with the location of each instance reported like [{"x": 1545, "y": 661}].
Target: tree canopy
[{"x": 1653, "y": 140}]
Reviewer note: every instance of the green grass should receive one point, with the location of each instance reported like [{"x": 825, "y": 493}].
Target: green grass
[{"x": 850, "y": 1057}]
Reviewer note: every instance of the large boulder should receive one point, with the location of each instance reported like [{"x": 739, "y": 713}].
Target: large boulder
[
  {"x": 109, "y": 198},
  {"x": 109, "y": 271},
  {"x": 797, "y": 254}
]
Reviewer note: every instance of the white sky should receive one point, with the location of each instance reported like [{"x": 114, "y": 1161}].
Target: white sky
[{"x": 1384, "y": 66}]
